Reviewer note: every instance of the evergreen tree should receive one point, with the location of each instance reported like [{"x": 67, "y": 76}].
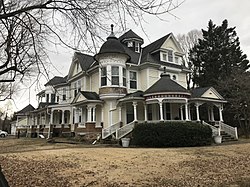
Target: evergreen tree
[{"x": 217, "y": 55}]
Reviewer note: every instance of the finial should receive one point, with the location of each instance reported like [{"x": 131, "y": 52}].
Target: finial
[{"x": 112, "y": 29}]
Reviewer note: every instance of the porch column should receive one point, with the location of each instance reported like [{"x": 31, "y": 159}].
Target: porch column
[
  {"x": 77, "y": 115},
  {"x": 209, "y": 113},
  {"x": 161, "y": 111},
  {"x": 186, "y": 112},
  {"x": 71, "y": 116},
  {"x": 120, "y": 113},
  {"x": 89, "y": 113},
  {"x": 40, "y": 121},
  {"x": 220, "y": 112},
  {"x": 197, "y": 112},
  {"x": 51, "y": 116},
  {"x": 181, "y": 108},
  {"x": 63, "y": 117},
  {"x": 135, "y": 111},
  {"x": 94, "y": 114},
  {"x": 102, "y": 114},
  {"x": 145, "y": 113}
]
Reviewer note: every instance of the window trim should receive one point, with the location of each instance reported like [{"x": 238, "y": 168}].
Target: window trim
[
  {"x": 135, "y": 80},
  {"x": 115, "y": 76}
]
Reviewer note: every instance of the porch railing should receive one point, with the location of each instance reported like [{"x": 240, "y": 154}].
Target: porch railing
[
  {"x": 123, "y": 131},
  {"x": 110, "y": 130},
  {"x": 229, "y": 130},
  {"x": 215, "y": 130}
]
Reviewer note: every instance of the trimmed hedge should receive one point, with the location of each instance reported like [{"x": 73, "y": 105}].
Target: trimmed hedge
[{"x": 171, "y": 134}]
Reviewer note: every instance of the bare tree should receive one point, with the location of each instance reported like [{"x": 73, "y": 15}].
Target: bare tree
[
  {"x": 27, "y": 27},
  {"x": 187, "y": 42}
]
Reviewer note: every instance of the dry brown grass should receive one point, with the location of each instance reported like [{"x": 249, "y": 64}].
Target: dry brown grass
[{"x": 33, "y": 162}]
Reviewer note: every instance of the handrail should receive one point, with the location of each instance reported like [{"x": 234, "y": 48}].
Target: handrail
[
  {"x": 123, "y": 131},
  {"x": 110, "y": 130},
  {"x": 229, "y": 130},
  {"x": 215, "y": 131}
]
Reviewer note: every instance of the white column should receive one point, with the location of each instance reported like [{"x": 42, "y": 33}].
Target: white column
[
  {"x": 209, "y": 113},
  {"x": 220, "y": 112},
  {"x": 135, "y": 111},
  {"x": 71, "y": 116},
  {"x": 102, "y": 112},
  {"x": 181, "y": 108},
  {"x": 63, "y": 117},
  {"x": 51, "y": 117},
  {"x": 93, "y": 117},
  {"x": 145, "y": 113},
  {"x": 186, "y": 112},
  {"x": 189, "y": 113},
  {"x": 77, "y": 115},
  {"x": 161, "y": 111},
  {"x": 89, "y": 113},
  {"x": 197, "y": 112},
  {"x": 120, "y": 113}
]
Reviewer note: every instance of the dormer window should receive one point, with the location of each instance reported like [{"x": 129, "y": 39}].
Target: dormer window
[
  {"x": 167, "y": 56},
  {"x": 137, "y": 47},
  {"x": 170, "y": 55},
  {"x": 130, "y": 44}
]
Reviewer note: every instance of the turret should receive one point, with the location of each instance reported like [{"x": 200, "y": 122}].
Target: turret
[{"x": 112, "y": 60}]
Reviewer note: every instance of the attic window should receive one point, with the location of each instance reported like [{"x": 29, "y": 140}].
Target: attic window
[
  {"x": 130, "y": 44},
  {"x": 137, "y": 47},
  {"x": 170, "y": 55},
  {"x": 167, "y": 56}
]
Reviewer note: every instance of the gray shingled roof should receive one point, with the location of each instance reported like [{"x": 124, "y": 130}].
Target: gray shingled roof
[
  {"x": 198, "y": 92},
  {"x": 165, "y": 84},
  {"x": 56, "y": 80},
  {"x": 90, "y": 95},
  {"x": 26, "y": 109},
  {"x": 129, "y": 34},
  {"x": 84, "y": 60},
  {"x": 138, "y": 93}
]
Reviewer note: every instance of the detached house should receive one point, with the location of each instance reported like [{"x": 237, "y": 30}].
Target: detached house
[{"x": 124, "y": 83}]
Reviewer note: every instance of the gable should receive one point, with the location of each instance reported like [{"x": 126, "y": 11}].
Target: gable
[
  {"x": 79, "y": 98},
  {"x": 75, "y": 69},
  {"x": 171, "y": 43},
  {"x": 212, "y": 93}
]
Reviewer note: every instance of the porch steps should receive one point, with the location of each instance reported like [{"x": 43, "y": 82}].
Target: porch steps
[{"x": 226, "y": 137}]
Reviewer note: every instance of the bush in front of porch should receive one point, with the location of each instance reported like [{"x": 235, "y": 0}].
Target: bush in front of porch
[{"x": 171, "y": 134}]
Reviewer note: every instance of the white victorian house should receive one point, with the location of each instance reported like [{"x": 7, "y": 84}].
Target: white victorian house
[{"x": 124, "y": 83}]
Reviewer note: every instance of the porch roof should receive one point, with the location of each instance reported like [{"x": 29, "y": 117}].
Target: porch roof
[
  {"x": 86, "y": 97},
  {"x": 138, "y": 95},
  {"x": 166, "y": 85}
]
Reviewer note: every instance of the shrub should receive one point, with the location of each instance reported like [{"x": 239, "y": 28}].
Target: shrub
[{"x": 171, "y": 134}]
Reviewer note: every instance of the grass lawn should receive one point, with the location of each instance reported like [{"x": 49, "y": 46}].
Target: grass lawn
[{"x": 34, "y": 162}]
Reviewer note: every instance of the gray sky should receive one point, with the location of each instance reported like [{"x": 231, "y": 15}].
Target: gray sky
[{"x": 192, "y": 14}]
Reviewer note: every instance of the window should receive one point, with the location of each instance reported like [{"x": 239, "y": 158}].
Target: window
[
  {"x": 164, "y": 57},
  {"x": 176, "y": 59},
  {"x": 132, "y": 80},
  {"x": 130, "y": 44},
  {"x": 75, "y": 89},
  {"x": 115, "y": 75},
  {"x": 47, "y": 98},
  {"x": 64, "y": 94},
  {"x": 53, "y": 98},
  {"x": 124, "y": 80},
  {"x": 57, "y": 99},
  {"x": 104, "y": 76},
  {"x": 79, "y": 86},
  {"x": 137, "y": 47},
  {"x": 170, "y": 55}
]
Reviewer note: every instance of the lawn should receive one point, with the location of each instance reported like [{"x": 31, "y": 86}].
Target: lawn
[{"x": 34, "y": 162}]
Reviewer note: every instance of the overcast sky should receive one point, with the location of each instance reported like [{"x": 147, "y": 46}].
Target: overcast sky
[{"x": 192, "y": 14}]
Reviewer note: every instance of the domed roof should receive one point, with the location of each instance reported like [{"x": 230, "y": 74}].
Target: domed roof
[{"x": 112, "y": 45}]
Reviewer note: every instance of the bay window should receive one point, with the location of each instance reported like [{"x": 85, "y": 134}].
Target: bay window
[
  {"x": 104, "y": 76},
  {"x": 124, "y": 79},
  {"x": 115, "y": 75}
]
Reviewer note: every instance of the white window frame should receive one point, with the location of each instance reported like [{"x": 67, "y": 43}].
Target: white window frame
[
  {"x": 115, "y": 75},
  {"x": 133, "y": 80},
  {"x": 137, "y": 47}
]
